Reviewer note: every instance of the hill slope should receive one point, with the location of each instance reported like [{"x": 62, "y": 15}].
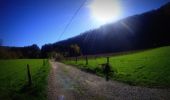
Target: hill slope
[
  {"x": 148, "y": 68},
  {"x": 13, "y": 79},
  {"x": 147, "y": 30}
]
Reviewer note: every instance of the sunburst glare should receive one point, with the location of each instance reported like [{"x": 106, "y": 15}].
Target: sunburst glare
[{"x": 105, "y": 11}]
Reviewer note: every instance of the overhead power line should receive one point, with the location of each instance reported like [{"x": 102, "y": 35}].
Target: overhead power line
[{"x": 71, "y": 20}]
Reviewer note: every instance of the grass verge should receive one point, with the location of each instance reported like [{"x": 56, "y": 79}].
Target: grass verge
[
  {"x": 13, "y": 79},
  {"x": 148, "y": 68}
]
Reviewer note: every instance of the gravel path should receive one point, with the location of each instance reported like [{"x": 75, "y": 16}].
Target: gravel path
[{"x": 68, "y": 83}]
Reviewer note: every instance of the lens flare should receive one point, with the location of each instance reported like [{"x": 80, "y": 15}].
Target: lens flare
[{"x": 105, "y": 11}]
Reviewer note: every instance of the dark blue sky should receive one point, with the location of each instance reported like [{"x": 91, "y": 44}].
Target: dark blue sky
[{"x": 26, "y": 22}]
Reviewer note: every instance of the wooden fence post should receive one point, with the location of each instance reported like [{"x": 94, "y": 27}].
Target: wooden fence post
[
  {"x": 107, "y": 60},
  {"x": 86, "y": 60},
  {"x": 29, "y": 75}
]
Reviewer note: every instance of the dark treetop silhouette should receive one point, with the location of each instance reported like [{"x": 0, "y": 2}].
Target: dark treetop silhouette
[{"x": 148, "y": 30}]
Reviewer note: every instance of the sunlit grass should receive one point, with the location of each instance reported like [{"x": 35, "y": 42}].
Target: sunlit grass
[
  {"x": 149, "y": 68},
  {"x": 13, "y": 79}
]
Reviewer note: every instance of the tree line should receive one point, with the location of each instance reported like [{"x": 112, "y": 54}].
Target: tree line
[
  {"x": 147, "y": 30},
  {"x": 143, "y": 31},
  {"x": 34, "y": 51},
  {"x": 59, "y": 51}
]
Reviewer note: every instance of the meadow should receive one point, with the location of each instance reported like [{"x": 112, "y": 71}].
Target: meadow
[
  {"x": 150, "y": 68},
  {"x": 14, "y": 80}
]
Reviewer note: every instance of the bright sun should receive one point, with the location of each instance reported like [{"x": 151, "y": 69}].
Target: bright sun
[{"x": 105, "y": 11}]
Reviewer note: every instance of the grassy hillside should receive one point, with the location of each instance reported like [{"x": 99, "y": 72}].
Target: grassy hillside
[
  {"x": 149, "y": 68},
  {"x": 13, "y": 79}
]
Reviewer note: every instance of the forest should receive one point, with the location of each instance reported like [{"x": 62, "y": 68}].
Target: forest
[{"x": 144, "y": 31}]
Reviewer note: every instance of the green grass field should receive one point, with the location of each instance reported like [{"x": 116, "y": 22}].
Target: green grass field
[
  {"x": 13, "y": 79},
  {"x": 149, "y": 68}
]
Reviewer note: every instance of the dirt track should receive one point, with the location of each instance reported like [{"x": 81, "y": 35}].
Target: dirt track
[{"x": 68, "y": 83}]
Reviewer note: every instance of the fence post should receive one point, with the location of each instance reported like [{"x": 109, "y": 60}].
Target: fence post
[
  {"x": 107, "y": 60},
  {"x": 86, "y": 60},
  {"x": 107, "y": 69},
  {"x": 29, "y": 75}
]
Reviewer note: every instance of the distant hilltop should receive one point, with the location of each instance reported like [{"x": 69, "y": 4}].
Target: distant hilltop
[{"x": 147, "y": 30}]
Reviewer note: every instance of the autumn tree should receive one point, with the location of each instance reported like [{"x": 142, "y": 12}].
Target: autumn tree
[{"x": 75, "y": 50}]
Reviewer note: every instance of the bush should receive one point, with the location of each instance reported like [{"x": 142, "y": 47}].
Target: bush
[{"x": 59, "y": 57}]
